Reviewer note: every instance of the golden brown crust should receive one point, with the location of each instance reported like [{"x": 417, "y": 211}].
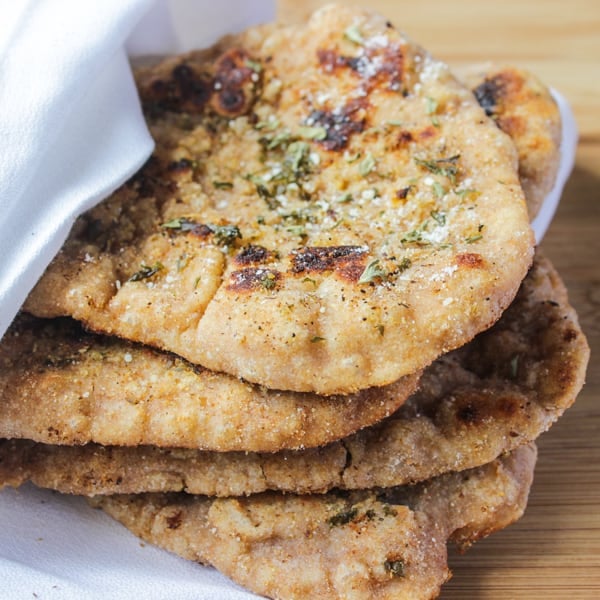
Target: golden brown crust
[
  {"x": 524, "y": 108},
  {"x": 361, "y": 545},
  {"x": 361, "y": 168},
  {"x": 500, "y": 391},
  {"x": 62, "y": 385}
]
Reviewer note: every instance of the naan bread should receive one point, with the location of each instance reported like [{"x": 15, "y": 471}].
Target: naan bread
[
  {"x": 500, "y": 391},
  {"x": 362, "y": 545},
  {"x": 524, "y": 108},
  {"x": 61, "y": 385},
  {"x": 327, "y": 209}
]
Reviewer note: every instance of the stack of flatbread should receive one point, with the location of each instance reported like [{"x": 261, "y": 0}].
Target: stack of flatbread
[{"x": 309, "y": 342}]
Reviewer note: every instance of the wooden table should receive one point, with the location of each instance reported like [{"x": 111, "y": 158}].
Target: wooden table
[{"x": 553, "y": 552}]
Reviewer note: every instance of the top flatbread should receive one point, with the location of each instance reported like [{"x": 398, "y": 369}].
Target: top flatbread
[
  {"x": 524, "y": 108},
  {"x": 324, "y": 219}
]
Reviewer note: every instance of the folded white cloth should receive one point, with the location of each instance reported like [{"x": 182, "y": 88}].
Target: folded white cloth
[
  {"x": 71, "y": 132},
  {"x": 56, "y": 547}
]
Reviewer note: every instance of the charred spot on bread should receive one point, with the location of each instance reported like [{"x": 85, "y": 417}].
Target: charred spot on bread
[{"x": 317, "y": 259}]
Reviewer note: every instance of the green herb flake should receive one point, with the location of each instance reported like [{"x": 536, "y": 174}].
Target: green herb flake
[
  {"x": 395, "y": 567},
  {"x": 405, "y": 263},
  {"x": 312, "y": 133},
  {"x": 315, "y": 339},
  {"x": 222, "y": 185},
  {"x": 343, "y": 517},
  {"x": 416, "y": 235},
  {"x": 431, "y": 107},
  {"x": 366, "y": 165},
  {"x": 344, "y": 198},
  {"x": 438, "y": 217},
  {"x": 182, "y": 224},
  {"x": 270, "y": 124},
  {"x": 254, "y": 65},
  {"x": 473, "y": 238},
  {"x": 350, "y": 158},
  {"x": 381, "y": 329},
  {"x": 225, "y": 235},
  {"x": 438, "y": 189},
  {"x": 388, "y": 511},
  {"x": 172, "y": 224},
  {"x": 372, "y": 271},
  {"x": 182, "y": 261},
  {"x": 299, "y": 230},
  {"x": 146, "y": 271},
  {"x": 268, "y": 280},
  {"x": 446, "y": 167},
  {"x": 353, "y": 34},
  {"x": 297, "y": 156},
  {"x": 279, "y": 139},
  {"x": 310, "y": 280}
]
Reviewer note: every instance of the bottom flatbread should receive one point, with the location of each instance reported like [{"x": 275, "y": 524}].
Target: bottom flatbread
[
  {"x": 500, "y": 391},
  {"x": 390, "y": 544}
]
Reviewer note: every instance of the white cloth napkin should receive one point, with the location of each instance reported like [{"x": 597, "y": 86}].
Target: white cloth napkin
[
  {"x": 55, "y": 547},
  {"x": 70, "y": 132}
]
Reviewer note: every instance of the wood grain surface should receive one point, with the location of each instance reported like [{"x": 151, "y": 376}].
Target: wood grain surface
[{"x": 553, "y": 552}]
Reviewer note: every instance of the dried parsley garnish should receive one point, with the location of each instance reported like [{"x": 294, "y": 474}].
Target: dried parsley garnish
[
  {"x": 146, "y": 271},
  {"x": 225, "y": 235},
  {"x": 343, "y": 517},
  {"x": 438, "y": 217},
  {"x": 366, "y": 165},
  {"x": 312, "y": 133},
  {"x": 372, "y": 271},
  {"x": 254, "y": 65},
  {"x": 438, "y": 189},
  {"x": 405, "y": 263},
  {"x": 431, "y": 107},
  {"x": 353, "y": 34},
  {"x": 446, "y": 167},
  {"x": 181, "y": 223},
  {"x": 268, "y": 280},
  {"x": 473, "y": 238},
  {"x": 222, "y": 185}
]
